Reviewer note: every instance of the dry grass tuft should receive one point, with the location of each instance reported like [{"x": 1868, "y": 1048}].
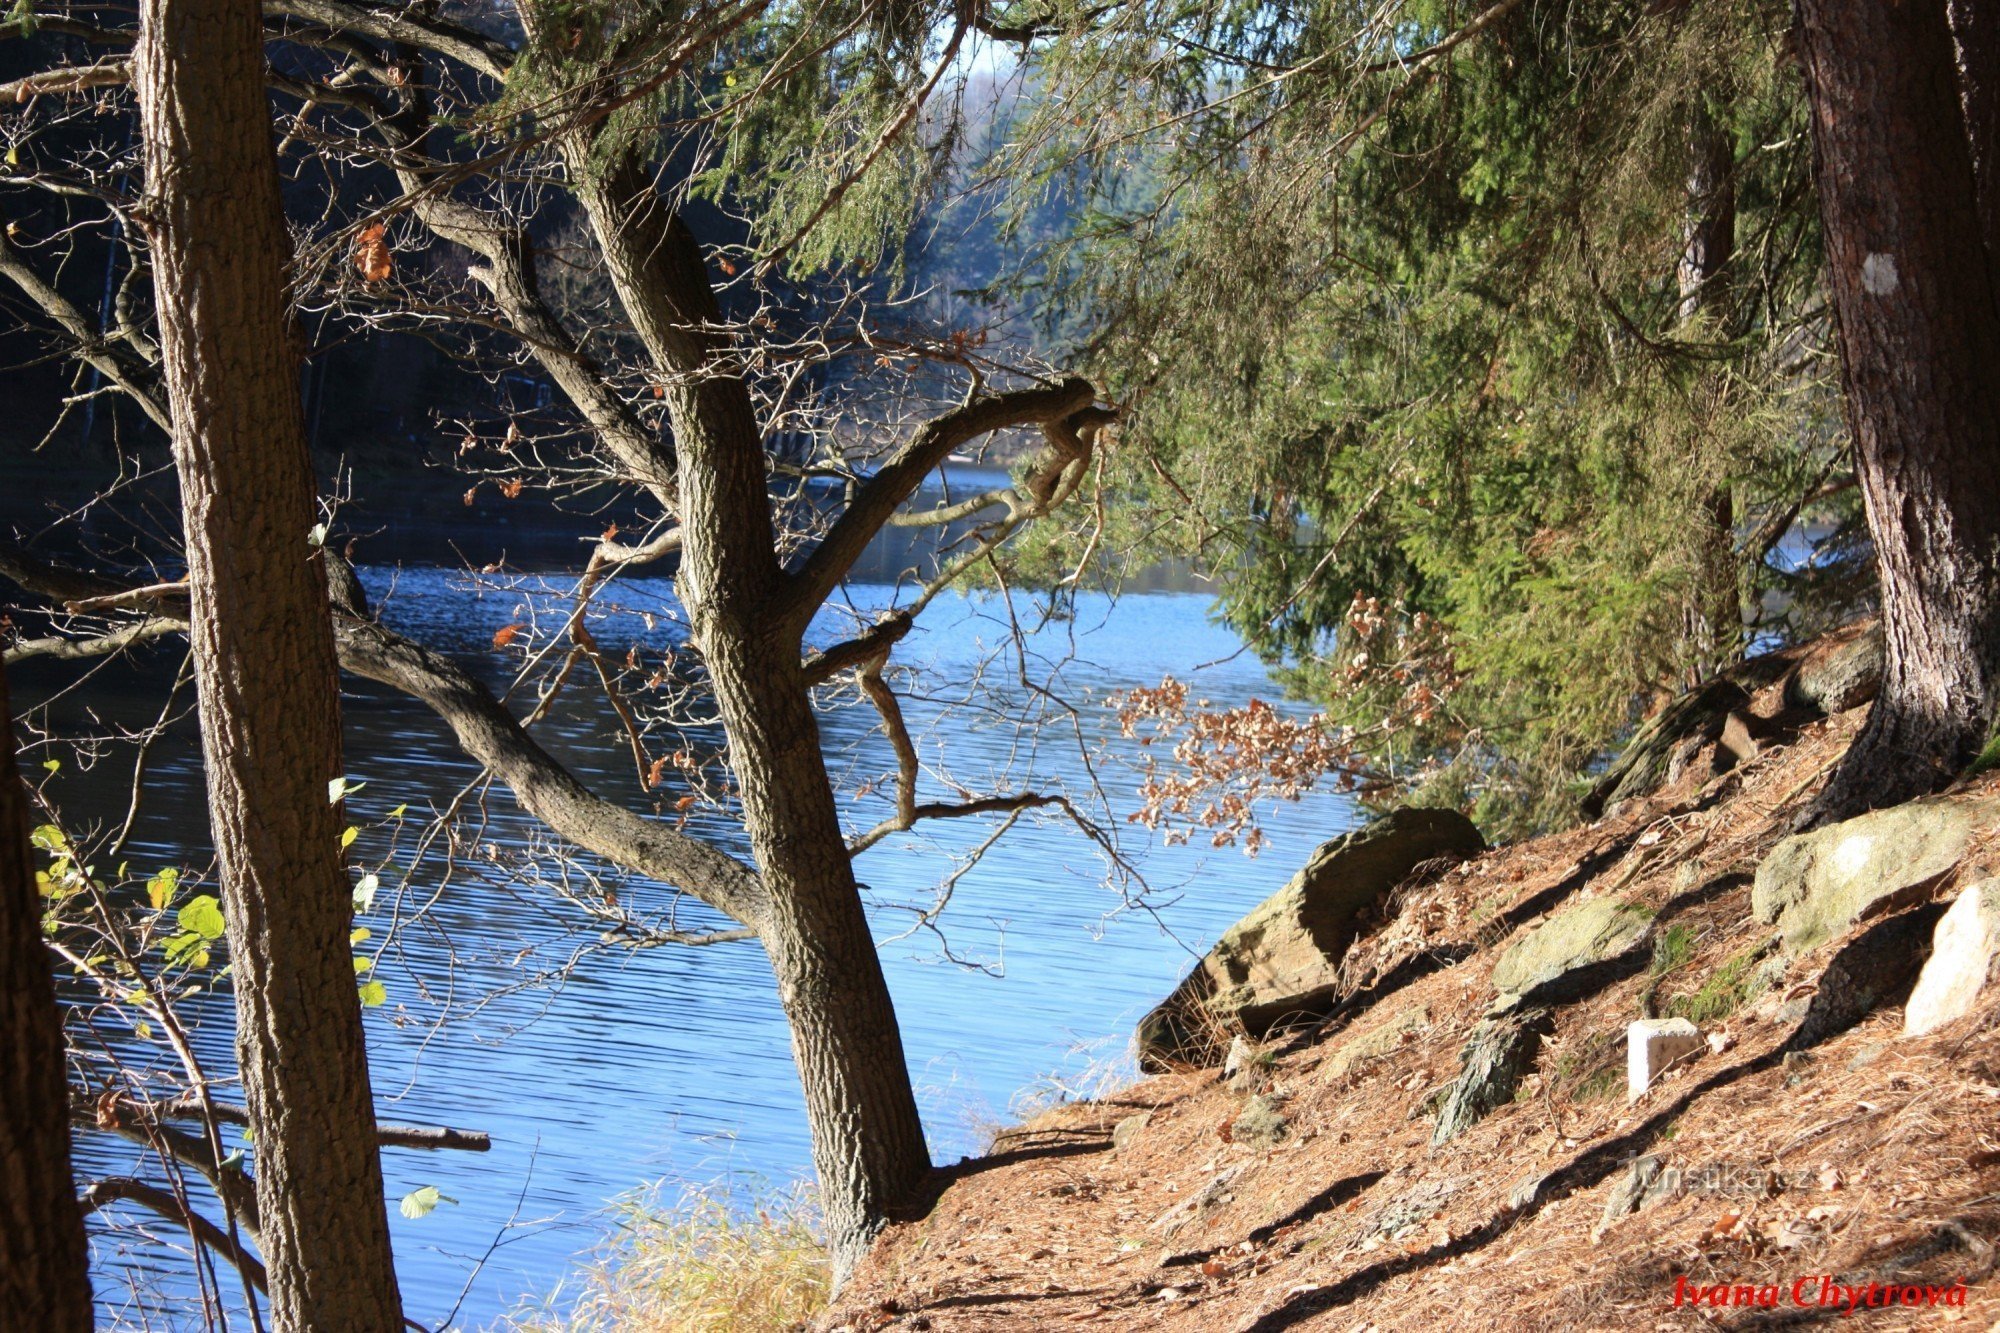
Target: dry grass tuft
[{"x": 710, "y": 1260}]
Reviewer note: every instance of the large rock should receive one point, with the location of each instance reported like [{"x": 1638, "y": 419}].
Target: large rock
[
  {"x": 1963, "y": 952},
  {"x": 1283, "y": 959},
  {"x": 1573, "y": 953},
  {"x": 1815, "y": 885},
  {"x": 1842, "y": 672}
]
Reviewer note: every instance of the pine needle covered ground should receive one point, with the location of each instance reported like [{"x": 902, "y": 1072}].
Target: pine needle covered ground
[{"x": 1867, "y": 1158}]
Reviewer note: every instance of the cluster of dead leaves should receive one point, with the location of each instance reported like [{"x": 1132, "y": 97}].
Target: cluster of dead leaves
[
  {"x": 1741, "y": 1228},
  {"x": 371, "y": 253}
]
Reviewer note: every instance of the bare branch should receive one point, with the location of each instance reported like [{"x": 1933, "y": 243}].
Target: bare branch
[
  {"x": 388, "y": 1135},
  {"x": 68, "y": 79},
  {"x": 882, "y": 494},
  {"x": 126, "y": 1189}
]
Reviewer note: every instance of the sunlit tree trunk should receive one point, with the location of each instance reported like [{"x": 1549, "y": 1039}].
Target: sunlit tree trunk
[
  {"x": 1919, "y": 324},
  {"x": 44, "y": 1280},
  {"x": 867, "y": 1134},
  {"x": 264, "y": 659}
]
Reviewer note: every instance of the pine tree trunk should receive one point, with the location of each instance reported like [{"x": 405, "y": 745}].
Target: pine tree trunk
[
  {"x": 1919, "y": 329},
  {"x": 1712, "y": 618},
  {"x": 264, "y": 659},
  {"x": 44, "y": 1265}
]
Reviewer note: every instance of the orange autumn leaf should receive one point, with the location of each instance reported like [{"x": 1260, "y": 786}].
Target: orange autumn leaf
[
  {"x": 371, "y": 253},
  {"x": 610, "y": 532},
  {"x": 656, "y": 771},
  {"x": 512, "y": 489},
  {"x": 686, "y": 801},
  {"x": 505, "y": 635}
]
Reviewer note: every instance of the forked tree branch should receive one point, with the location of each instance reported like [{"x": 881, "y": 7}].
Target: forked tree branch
[{"x": 878, "y": 498}]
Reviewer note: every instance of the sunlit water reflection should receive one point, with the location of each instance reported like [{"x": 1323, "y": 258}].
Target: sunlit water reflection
[{"x": 673, "y": 1063}]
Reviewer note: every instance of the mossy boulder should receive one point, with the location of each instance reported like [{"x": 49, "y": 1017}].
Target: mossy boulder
[
  {"x": 1814, "y": 886},
  {"x": 1574, "y": 952},
  {"x": 1283, "y": 959}
]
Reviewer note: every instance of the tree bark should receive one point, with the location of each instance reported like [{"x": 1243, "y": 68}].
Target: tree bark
[
  {"x": 1919, "y": 330},
  {"x": 867, "y": 1135},
  {"x": 1975, "y": 28},
  {"x": 264, "y": 659},
  {"x": 44, "y": 1263},
  {"x": 1712, "y": 617}
]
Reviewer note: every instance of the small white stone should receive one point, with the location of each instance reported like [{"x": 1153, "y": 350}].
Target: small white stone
[
  {"x": 1962, "y": 952},
  {"x": 1652, "y": 1044},
  {"x": 1878, "y": 274}
]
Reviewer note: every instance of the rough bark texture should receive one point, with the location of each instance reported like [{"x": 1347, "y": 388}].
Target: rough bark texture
[
  {"x": 1713, "y": 616},
  {"x": 868, "y": 1140},
  {"x": 264, "y": 659},
  {"x": 1975, "y": 27},
  {"x": 1919, "y": 330},
  {"x": 44, "y": 1277}
]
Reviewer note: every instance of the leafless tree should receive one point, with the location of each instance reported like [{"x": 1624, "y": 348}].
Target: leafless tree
[{"x": 764, "y": 408}]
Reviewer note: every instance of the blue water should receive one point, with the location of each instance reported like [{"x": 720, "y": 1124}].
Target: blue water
[{"x": 672, "y": 1064}]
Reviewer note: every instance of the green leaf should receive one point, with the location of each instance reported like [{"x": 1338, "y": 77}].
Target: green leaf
[
  {"x": 49, "y": 838},
  {"x": 143, "y": 1030},
  {"x": 316, "y": 536},
  {"x": 364, "y": 892},
  {"x": 347, "y": 836},
  {"x": 52, "y": 765},
  {"x": 399, "y": 812},
  {"x": 361, "y": 964},
  {"x": 373, "y": 994},
  {"x": 341, "y": 787},
  {"x": 202, "y": 916},
  {"x": 421, "y": 1202},
  {"x": 187, "y": 947},
  {"x": 359, "y": 934},
  {"x": 160, "y": 888}
]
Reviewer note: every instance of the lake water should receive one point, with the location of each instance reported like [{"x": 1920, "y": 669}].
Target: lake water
[{"x": 672, "y": 1064}]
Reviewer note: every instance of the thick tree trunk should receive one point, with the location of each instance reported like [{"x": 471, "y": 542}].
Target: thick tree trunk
[
  {"x": 868, "y": 1139},
  {"x": 1919, "y": 325},
  {"x": 44, "y": 1276},
  {"x": 264, "y": 659}
]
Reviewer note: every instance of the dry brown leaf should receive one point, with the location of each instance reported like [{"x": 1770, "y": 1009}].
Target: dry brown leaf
[{"x": 371, "y": 253}]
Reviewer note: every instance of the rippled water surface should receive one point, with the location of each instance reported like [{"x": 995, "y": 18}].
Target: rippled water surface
[{"x": 672, "y": 1064}]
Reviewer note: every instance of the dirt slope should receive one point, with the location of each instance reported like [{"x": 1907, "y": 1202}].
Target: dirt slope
[{"x": 1867, "y": 1159}]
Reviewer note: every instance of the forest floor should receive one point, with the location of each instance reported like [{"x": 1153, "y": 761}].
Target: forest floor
[{"x": 1867, "y": 1158}]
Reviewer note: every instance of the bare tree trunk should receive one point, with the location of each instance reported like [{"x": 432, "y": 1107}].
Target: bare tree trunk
[
  {"x": 1919, "y": 324},
  {"x": 44, "y": 1265},
  {"x": 868, "y": 1139},
  {"x": 264, "y": 659},
  {"x": 1712, "y": 619}
]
